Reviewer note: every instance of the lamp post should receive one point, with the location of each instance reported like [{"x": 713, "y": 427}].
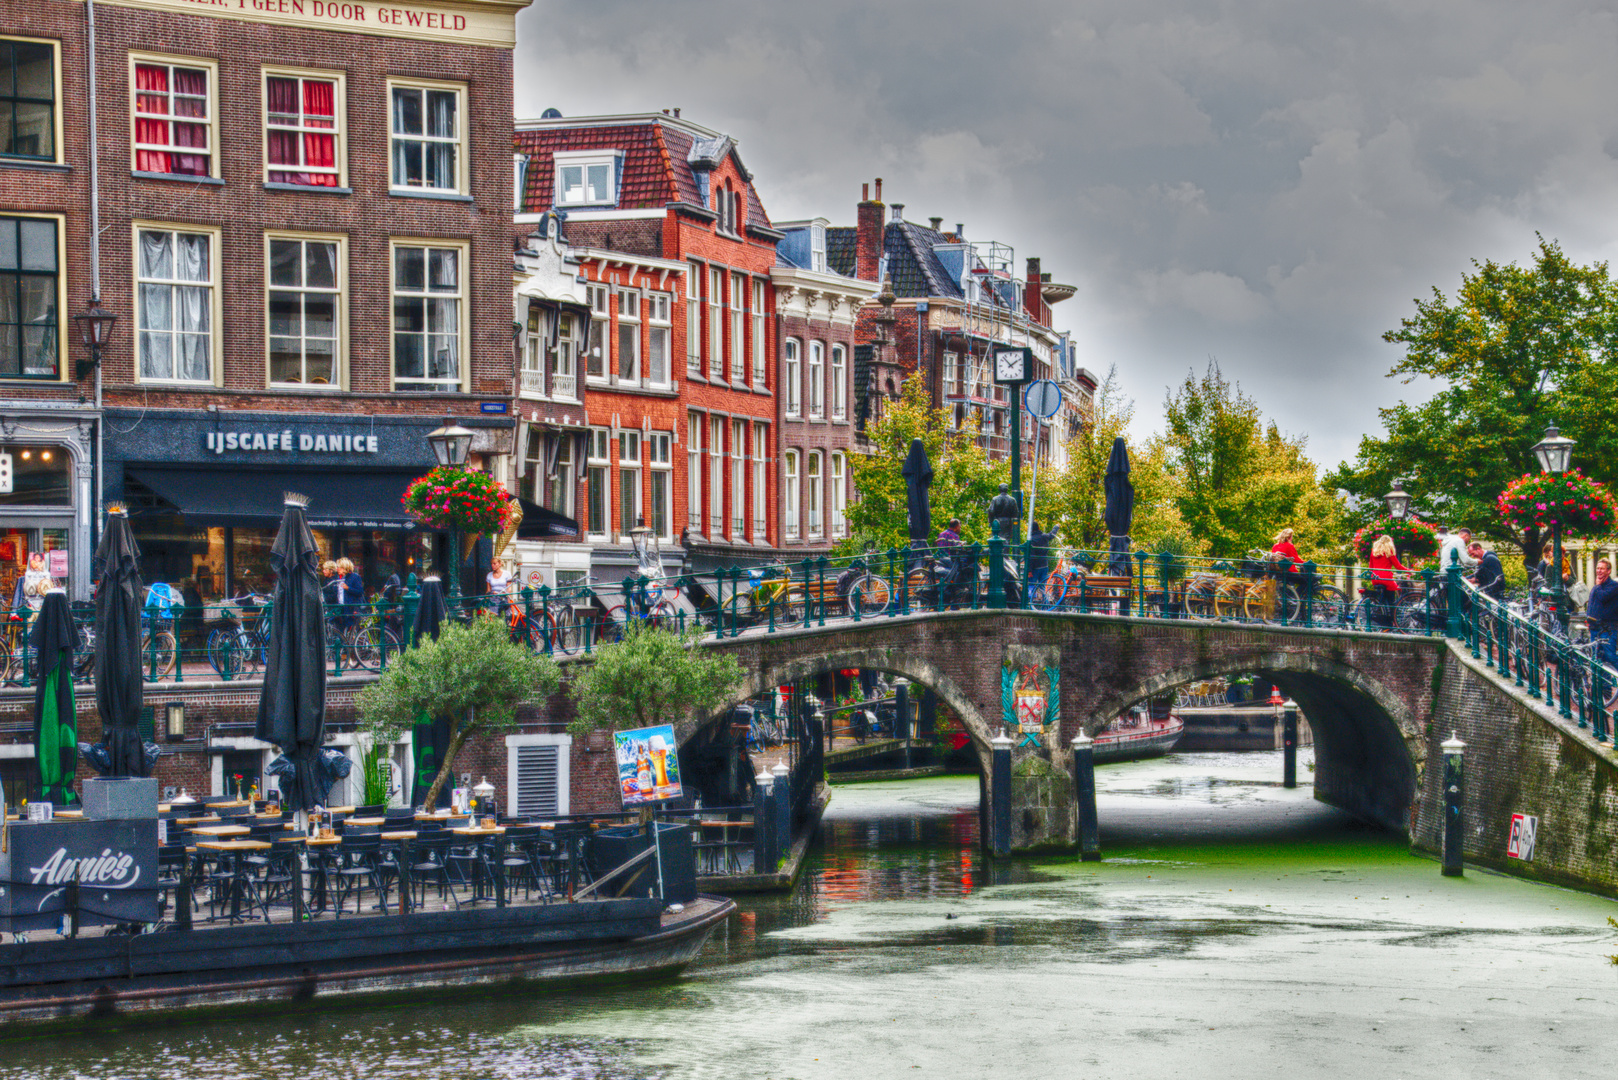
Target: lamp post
[
  {"x": 95, "y": 329},
  {"x": 1398, "y": 501},
  {"x": 1554, "y": 452},
  {"x": 450, "y": 443}
]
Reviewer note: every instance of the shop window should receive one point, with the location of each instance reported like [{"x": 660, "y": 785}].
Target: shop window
[
  {"x": 35, "y": 476},
  {"x": 247, "y": 764},
  {"x": 303, "y": 119},
  {"x": 174, "y": 116},
  {"x": 305, "y": 310},
  {"x": 28, "y": 99},
  {"x": 176, "y": 291},
  {"x": 427, "y": 137},
  {"x": 30, "y": 298},
  {"x": 17, "y": 777},
  {"x": 428, "y": 314}
]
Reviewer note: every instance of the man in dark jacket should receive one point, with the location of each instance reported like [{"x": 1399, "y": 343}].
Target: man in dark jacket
[
  {"x": 1039, "y": 558},
  {"x": 1602, "y": 612},
  {"x": 1490, "y": 576}
]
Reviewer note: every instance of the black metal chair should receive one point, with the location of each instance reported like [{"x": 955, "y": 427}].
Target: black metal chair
[
  {"x": 429, "y": 865},
  {"x": 171, "y": 867},
  {"x": 526, "y": 848},
  {"x": 569, "y": 862},
  {"x": 360, "y": 867},
  {"x": 378, "y": 810}
]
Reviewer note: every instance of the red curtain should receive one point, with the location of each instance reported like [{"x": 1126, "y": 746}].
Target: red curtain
[
  {"x": 194, "y": 82},
  {"x": 320, "y": 150},
  {"x": 153, "y": 102}
]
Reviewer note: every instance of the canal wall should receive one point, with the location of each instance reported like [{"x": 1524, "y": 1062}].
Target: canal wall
[{"x": 1521, "y": 758}]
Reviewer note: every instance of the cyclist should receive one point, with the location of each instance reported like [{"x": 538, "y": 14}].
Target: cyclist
[{"x": 1385, "y": 587}]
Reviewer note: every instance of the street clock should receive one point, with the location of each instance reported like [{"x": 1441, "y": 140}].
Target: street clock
[{"x": 1011, "y": 365}]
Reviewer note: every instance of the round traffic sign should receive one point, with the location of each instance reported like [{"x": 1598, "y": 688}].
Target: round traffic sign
[{"x": 1043, "y": 397}]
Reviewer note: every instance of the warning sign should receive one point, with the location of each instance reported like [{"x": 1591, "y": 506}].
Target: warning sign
[{"x": 1520, "y": 841}]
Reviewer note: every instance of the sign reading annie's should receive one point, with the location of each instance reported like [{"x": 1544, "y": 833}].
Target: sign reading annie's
[
  {"x": 332, "y": 442},
  {"x": 114, "y": 863}
]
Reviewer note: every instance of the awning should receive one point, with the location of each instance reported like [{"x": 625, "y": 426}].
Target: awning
[
  {"x": 337, "y": 500},
  {"x": 539, "y": 523}
]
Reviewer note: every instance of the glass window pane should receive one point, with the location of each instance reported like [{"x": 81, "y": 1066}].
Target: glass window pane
[
  {"x": 407, "y": 349},
  {"x": 157, "y": 255},
  {"x": 409, "y": 269},
  {"x": 572, "y": 183},
  {"x": 320, "y": 265},
  {"x": 598, "y": 183},
  {"x": 406, "y": 164},
  {"x": 155, "y": 306},
  {"x": 440, "y": 171},
  {"x": 444, "y": 267},
  {"x": 285, "y": 265},
  {"x": 321, "y": 360},
  {"x": 409, "y": 315},
  {"x": 34, "y": 133},
  {"x": 156, "y": 361},
  {"x": 35, "y": 70},
  {"x": 441, "y": 113},
  {"x": 8, "y": 244},
  {"x": 443, "y": 316},
  {"x": 286, "y": 314},
  {"x": 320, "y": 315},
  {"x": 191, "y": 257},
  {"x": 406, "y": 111},
  {"x": 286, "y": 361}
]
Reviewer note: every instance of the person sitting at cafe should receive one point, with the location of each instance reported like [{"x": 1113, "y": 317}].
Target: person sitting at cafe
[{"x": 1490, "y": 577}]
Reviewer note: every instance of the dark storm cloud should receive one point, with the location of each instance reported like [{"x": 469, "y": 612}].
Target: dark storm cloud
[{"x": 1268, "y": 183}]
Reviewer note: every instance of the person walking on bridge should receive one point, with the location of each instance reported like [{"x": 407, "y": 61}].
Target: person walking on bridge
[
  {"x": 1602, "y": 612},
  {"x": 1491, "y": 576}
]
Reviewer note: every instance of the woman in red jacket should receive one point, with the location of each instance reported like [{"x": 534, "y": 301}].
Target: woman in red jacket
[
  {"x": 1384, "y": 561},
  {"x": 1284, "y": 546}
]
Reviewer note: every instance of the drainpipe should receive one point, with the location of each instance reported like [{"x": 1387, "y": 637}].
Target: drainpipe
[{"x": 95, "y": 268}]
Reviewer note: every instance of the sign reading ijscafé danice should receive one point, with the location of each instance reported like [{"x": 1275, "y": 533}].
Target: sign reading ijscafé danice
[{"x": 472, "y": 23}]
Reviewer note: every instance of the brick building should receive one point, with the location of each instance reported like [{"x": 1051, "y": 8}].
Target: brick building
[
  {"x": 815, "y": 312},
  {"x": 676, "y": 252}
]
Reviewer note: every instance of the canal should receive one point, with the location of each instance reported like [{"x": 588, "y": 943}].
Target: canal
[{"x": 1235, "y": 929}]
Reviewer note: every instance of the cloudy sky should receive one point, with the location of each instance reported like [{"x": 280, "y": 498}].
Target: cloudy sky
[{"x": 1266, "y": 183}]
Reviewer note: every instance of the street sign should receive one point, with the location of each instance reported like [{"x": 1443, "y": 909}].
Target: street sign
[{"x": 1043, "y": 397}]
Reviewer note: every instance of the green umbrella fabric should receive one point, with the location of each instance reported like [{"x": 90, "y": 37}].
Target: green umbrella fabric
[{"x": 56, "y": 718}]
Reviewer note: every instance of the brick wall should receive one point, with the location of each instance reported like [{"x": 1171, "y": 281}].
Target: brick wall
[{"x": 806, "y": 435}]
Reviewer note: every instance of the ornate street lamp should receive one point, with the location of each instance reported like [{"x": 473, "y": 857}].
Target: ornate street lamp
[
  {"x": 95, "y": 330},
  {"x": 1398, "y": 501},
  {"x": 450, "y": 444},
  {"x": 1554, "y": 452}
]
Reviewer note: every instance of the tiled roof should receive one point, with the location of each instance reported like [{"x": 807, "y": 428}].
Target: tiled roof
[
  {"x": 912, "y": 266},
  {"x": 656, "y": 171},
  {"x": 840, "y": 249}
]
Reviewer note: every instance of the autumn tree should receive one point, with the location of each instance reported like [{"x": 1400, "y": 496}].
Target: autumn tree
[{"x": 1517, "y": 349}]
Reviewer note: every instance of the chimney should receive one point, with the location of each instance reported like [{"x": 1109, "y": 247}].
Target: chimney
[
  {"x": 936, "y": 222},
  {"x": 868, "y": 236},
  {"x": 960, "y": 231},
  {"x": 898, "y": 211},
  {"x": 1033, "y": 301}
]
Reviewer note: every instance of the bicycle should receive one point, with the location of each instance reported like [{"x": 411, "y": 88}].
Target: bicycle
[
  {"x": 653, "y": 604},
  {"x": 239, "y": 644}
]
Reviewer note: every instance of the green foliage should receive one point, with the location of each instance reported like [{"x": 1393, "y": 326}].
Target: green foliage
[
  {"x": 964, "y": 480},
  {"x": 1237, "y": 480},
  {"x": 653, "y": 676},
  {"x": 378, "y": 786},
  {"x": 1519, "y": 348},
  {"x": 473, "y": 674}
]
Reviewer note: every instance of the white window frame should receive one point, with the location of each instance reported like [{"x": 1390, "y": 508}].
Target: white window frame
[
  {"x": 561, "y": 490},
  {"x": 659, "y": 307},
  {"x": 564, "y": 358},
  {"x": 630, "y": 465},
  {"x": 215, "y": 307},
  {"x": 57, "y": 104},
  {"x": 837, "y": 489},
  {"x": 339, "y": 130},
  {"x": 738, "y": 322},
  {"x": 564, "y": 752},
  {"x": 716, "y": 476},
  {"x": 172, "y": 61},
  {"x": 459, "y": 140},
  {"x": 839, "y": 381},
  {"x": 693, "y": 319},
  {"x": 696, "y": 424},
  {"x": 814, "y": 495},
  {"x": 598, "y": 458},
  {"x": 660, "y": 470},
  {"x": 599, "y": 295},
  {"x": 738, "y": 479},
  {"x": 790, "y": 495},
  {"x": 582, "y": 160},
  {"x": 952, "y": 373},
  {"x": 761, "y": 459},
  {"x": 791, "y": 378},
  {"x": 463, "y": 270},
  {"x": 340, "y": 345},
  {"x": 815, "y": 380},
  {"x": 716, "y": 323},
  {"x": 761, "y": 363},
  {"x": 626, "y": 331}
]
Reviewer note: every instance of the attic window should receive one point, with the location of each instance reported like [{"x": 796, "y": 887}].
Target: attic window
[
  {"x": 586, "y": 179},
  {"x": 728, "y": 205},
  {"x": 817, "y": 247}
]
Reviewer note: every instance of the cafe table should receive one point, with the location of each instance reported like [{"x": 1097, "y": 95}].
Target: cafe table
[
  {"x": 188, "y": 822},
  {"x": 365, "y": 821},
  {"x": 221, "y": 831},
  {"x": 240, "y": 883},
  {"x": 71, "y": 815},
  {"x": 730, "y": 864}
]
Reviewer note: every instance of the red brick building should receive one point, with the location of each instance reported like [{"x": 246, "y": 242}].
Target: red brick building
[{"x": 662, "y": 212}]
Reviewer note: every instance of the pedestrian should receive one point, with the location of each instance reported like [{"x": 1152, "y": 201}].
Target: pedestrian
[
  {"x": 1039, "y": 558},
  {"x": 331, "y": 583},
  {"x": 1284, "y": 546},
  {"x": 1467, "y": 559},
  {"x": 1385, "y": 585},
  {"x": 1490, "y": 577},
  {"x": 1602, "y": 613}
]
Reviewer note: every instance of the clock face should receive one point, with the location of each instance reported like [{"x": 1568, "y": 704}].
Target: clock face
[{"x": 1008, "y": 365}]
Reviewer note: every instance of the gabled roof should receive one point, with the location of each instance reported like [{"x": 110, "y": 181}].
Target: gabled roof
[
  {"x": 913, "y": 265},
  {"x": 661, "y": 157}
]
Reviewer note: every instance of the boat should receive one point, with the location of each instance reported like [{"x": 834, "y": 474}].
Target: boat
[
  {"x": 97, "y": 982},
  {"x": 1142, "y": 732}
]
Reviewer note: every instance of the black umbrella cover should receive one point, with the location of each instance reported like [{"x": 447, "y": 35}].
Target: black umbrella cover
[
  {"x": 429, "y": 736},
  {"x": 918, "y": 474},
  {"x": 292, "y": 705},
  {"x": 56, "y": 724},
  {"x": 1120, "y": 509},
  {"x": 118, "y": 685}
]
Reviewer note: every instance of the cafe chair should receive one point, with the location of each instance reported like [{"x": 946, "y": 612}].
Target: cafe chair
[
  {"x": 171, "y": 867},
  {"x": 430, "y": 866},
  {"x": 526, "y": 846},
  {"x": 359, "y": 868},
  {"x": 379, "y": 810}
]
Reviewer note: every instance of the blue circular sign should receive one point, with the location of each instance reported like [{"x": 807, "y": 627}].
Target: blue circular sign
[{"x": 1043, "y": 397}]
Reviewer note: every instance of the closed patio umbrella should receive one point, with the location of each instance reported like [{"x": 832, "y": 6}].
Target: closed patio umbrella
[
  {"x": 56, "y": 722},
  {"x": 292, "y": 704},
  {"x": 118, "y": 681},
  {"x": 918, "y": 474},
  {"x": 429, "y": 736},
  {"x": 1120, "y": 492}
]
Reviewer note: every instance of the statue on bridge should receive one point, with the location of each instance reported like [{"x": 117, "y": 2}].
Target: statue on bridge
[{"x": 1003, "y": 515}]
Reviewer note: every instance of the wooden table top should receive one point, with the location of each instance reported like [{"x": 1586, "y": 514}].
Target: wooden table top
[
  {"x": 233, "y": 804},
  {"x": 222, "y": 830},
  {"x": 322, "y": 841},
  {"x": 718, "y": 824},
  {"x": 234, "y": 845},
  {"x": 497, "y": 830},
  {"x": 71, "y": 815},
  {"x": 367, "y": 821},
  {"x": 339, "y": 809},
  {"x": 189, "y": 821},
  {"x": 410, "y": 835}
]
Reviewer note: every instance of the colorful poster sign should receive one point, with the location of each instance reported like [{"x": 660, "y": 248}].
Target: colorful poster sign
[
  {"x": 648, "y": 765},
  {"x": 1031, "y": 699},
  {"x": 1520, "y": 840}
]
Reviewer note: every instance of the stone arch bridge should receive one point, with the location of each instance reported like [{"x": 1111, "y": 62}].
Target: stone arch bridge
[{"x": 1378, "y": 704}]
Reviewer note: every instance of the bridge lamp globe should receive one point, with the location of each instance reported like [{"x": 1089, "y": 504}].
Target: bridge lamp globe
[
  {"x": 1398, "y": 501},
  {"x": 1554, "y": 451},
  {"x": 764, "y": 780}
]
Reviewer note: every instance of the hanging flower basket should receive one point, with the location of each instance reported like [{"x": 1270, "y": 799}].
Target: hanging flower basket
[
  {"x": 464, "y": 499},
  {"x": 1581, "y": 505},
  {"x": 1412, "y": 537}
]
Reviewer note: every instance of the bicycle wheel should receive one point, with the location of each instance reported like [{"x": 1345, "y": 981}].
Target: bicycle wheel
[
  {"x": 161, "y": 646},
  {"x": 1231, "y": 599},
  {"x": 918, "y": 579},
  {"x": 565, "y": 633},
  {"x": 6, "y": 658},
  {"x": 611, "y": 628},
  {"x": 664, "y": 615},
  {"x": 368, "y": 645},
  {"x": 870, "y": 595},
  {"x": 1288, "y": 603},
  {"x": 226, "y": 655},
  {"x": 1329, "y": 607},
  {"x": 791, "y": 607},
  {"x": 1202, "y": 600}
]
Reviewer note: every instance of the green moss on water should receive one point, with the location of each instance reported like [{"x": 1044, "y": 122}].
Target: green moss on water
[{"x": 1373, "y": 851}]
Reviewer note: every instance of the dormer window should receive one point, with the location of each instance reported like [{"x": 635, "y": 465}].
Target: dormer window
[
  {"x": 586, "y": 179},
  {"x": 817, "y": 247},
  {"x": 727, "y": 204}
]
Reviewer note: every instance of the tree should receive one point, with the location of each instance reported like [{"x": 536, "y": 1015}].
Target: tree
[
  {"x": 1518, "y": 349},
  {"x": 1238, "y": 481},
  {"x": 964, "y": 479},
  {"x": 653, "y": 676},
  {"x": 472, "y": 673}
]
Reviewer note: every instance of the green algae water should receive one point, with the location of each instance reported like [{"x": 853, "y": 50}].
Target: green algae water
[{"x": 1233, "y": 929}]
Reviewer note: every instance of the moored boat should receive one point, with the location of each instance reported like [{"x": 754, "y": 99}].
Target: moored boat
[{"x": 1142, "y": 732}]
